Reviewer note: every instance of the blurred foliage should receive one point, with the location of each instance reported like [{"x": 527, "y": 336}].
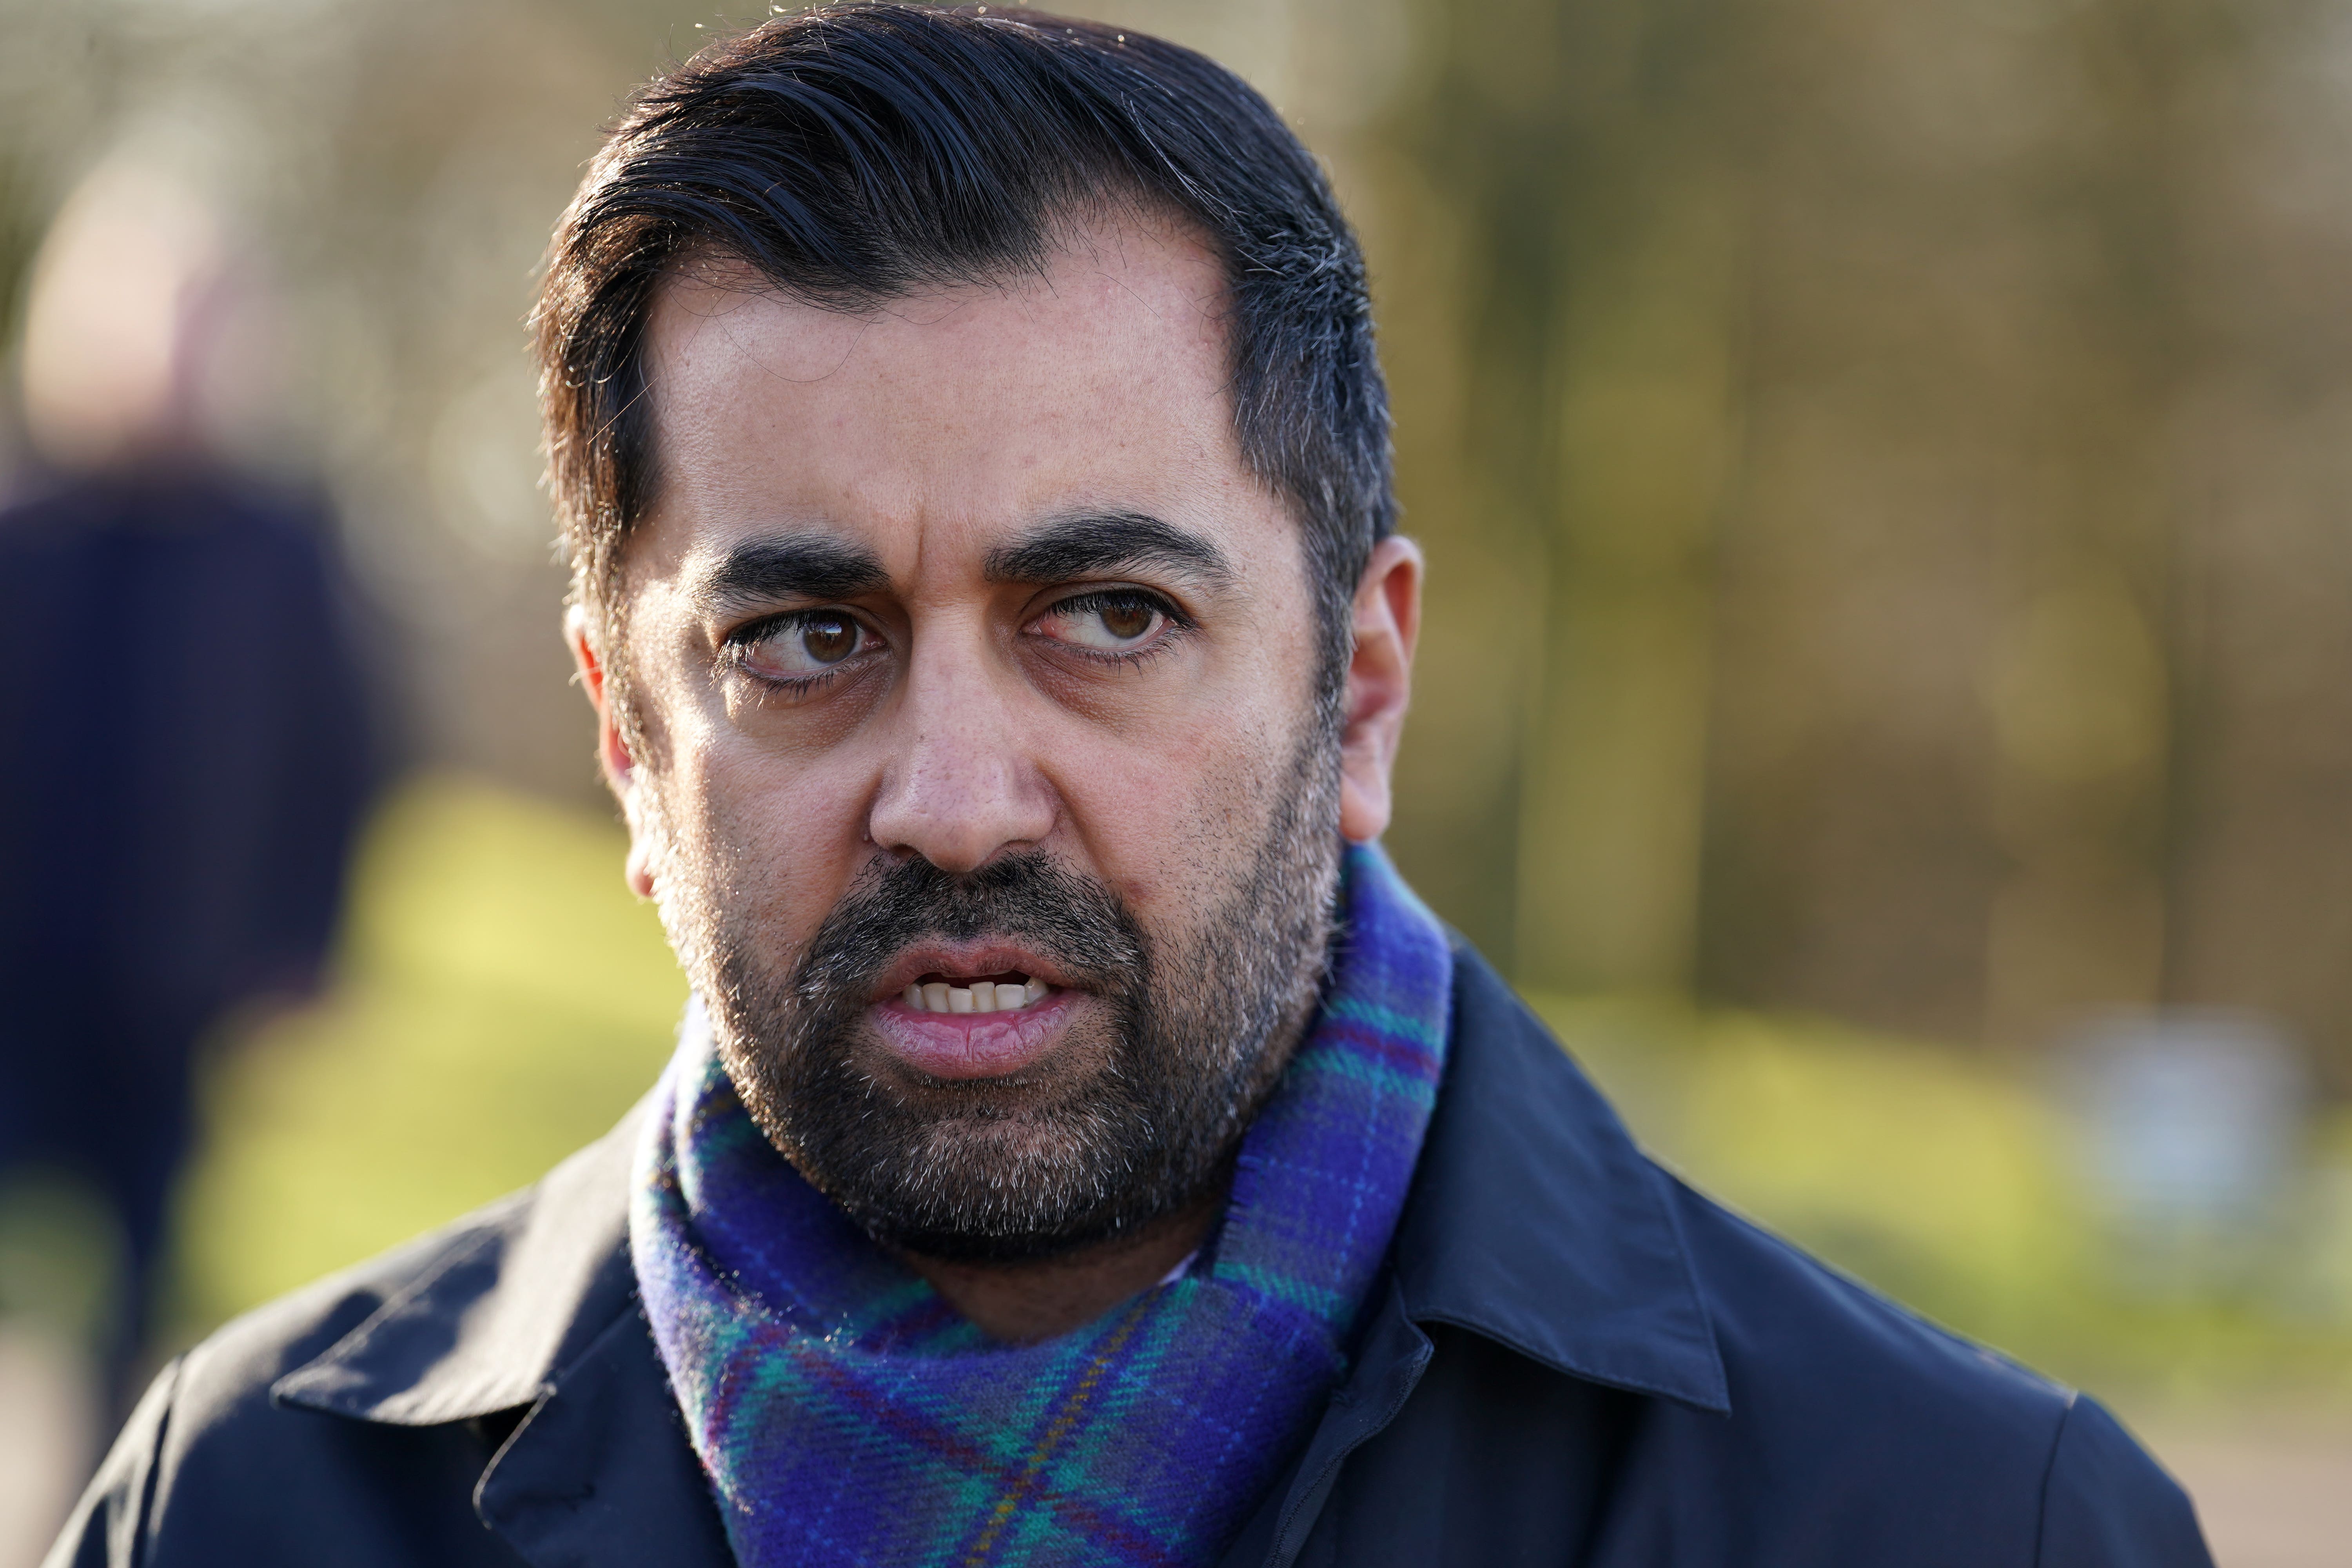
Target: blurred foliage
[{"x": 502, "y": 999}]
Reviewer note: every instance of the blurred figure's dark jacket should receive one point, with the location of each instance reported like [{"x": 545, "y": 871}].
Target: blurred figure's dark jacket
[
  {"x": 189, "y": 753},
  {"x": 1574, "y": 1360}
]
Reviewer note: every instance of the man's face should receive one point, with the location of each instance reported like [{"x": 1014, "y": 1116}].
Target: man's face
[{"x": 979, "y": 770}]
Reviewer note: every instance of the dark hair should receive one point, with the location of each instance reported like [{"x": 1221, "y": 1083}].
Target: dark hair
[{"x": 855, "y": 153}]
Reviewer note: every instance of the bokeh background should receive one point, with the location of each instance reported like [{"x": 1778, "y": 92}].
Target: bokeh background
[{"x": 1886, "y": 471}]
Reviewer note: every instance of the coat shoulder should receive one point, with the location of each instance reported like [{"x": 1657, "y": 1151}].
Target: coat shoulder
[
  {"x": 1787, "y": 1322},
  {"x": 1766, "y": 1408},
  {"x": 210, "y": 1469},
  {"x": 1882, "y": 1417},
  {"x": 384, "y": 1386},
  {"x": 239, "y": 1363}
]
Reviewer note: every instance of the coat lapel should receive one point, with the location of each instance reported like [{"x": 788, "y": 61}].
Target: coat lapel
[
  {"x": 1535, "y": 1222},
  {"x": 600, "y": 1472}
]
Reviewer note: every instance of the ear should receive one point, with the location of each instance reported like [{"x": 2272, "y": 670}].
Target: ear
[
  {"x": 612, "y": 757},
  {"x": 1379, "y": 684}
]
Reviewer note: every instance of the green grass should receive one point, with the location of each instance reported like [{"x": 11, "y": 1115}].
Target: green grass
[{"x": 500, "y": 998}]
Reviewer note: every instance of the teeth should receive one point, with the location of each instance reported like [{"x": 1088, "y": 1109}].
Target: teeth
[{"x": 987, "y": 996}]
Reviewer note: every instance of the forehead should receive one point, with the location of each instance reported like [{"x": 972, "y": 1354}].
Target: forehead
[{"x": 949, "y": 418}]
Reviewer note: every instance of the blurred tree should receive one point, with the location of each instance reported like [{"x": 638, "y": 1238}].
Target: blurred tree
[
  {"x": 1575, "y": 156},
  {"x": 1941, "y": 579},
  {"x": 1940, "y": 777}
]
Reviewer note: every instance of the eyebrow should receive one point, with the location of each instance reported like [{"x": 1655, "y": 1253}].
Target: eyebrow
[
  {"x": 1096, "y": 544},
  {"x": 760, "y": 572}
]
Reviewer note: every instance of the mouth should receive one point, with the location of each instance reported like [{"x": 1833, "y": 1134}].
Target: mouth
[
  {"x": 1007, "y": 991},
  {"x": 970, "y": 977},
  {"x": 980, "y": 1013}
]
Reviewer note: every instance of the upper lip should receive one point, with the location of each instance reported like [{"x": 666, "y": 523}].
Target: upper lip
[{"x": 965, "y": 959}]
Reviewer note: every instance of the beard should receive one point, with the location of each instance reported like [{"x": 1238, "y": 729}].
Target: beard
[{"x": 1134, "y": 1113}]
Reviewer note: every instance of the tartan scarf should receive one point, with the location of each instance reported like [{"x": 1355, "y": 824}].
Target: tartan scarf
[{"x": 845, "y": 1414}]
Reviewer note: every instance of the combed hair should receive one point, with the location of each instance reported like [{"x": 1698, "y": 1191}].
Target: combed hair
[{"x": 854, "y": 155}]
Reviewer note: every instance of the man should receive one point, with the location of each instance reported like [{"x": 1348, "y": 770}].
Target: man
[
  {"x": 1083, "y": 1149},
  {"x": 177, "y": 855}
]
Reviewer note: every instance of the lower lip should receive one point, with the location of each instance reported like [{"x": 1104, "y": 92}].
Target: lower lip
[{"x": 972, "y": 1044}]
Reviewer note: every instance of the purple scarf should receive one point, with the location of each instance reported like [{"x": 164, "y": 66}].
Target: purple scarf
[{"x": 846, "y": 1414}]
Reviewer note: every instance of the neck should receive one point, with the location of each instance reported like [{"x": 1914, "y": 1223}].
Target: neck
[{"x": 1041, "y": 1298}]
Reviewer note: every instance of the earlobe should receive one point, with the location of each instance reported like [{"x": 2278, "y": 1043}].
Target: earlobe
[{"x": 1379, "y": 685}]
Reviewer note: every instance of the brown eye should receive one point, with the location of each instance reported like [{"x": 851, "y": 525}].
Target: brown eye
[
  {"x": 1127, "y": 619},
  {"x": 796, "y": 647},
  {"x": 1111, "y": 622},
  {"x": 829, "y": 640}
]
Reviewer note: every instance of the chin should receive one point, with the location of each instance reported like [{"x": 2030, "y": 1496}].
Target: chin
[{"x": 1006, "y": 1185}]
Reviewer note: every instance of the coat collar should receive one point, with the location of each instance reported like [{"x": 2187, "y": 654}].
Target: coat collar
[
  {"x": 1533, "y": 1221},
  {"x": 530, "y": 1320},
  {"x": 520, "y": 1293}
]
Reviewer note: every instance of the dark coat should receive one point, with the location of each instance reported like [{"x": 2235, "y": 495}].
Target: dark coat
[
  {"x": 1575, "y": 1359},
  {"x": 183, "y": 677},
  {"x": 194, "y": 757}
]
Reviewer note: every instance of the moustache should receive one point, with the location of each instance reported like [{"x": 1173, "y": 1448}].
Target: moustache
[{"x": 1026, "y": 897}]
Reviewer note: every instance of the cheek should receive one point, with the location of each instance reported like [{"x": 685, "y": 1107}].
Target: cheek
[
  {"x": 1173, "y": 809},
  {"x": 1172, "y": 820},
  {"x": 765, "y": 839}
]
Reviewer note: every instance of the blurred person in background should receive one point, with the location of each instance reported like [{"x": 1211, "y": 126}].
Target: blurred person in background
[
  {"x": 193, "y": 745},
  {"x": 1082, "y": 1147}
]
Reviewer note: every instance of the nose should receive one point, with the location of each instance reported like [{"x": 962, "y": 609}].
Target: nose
[{"x": 960, "y": 784}]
